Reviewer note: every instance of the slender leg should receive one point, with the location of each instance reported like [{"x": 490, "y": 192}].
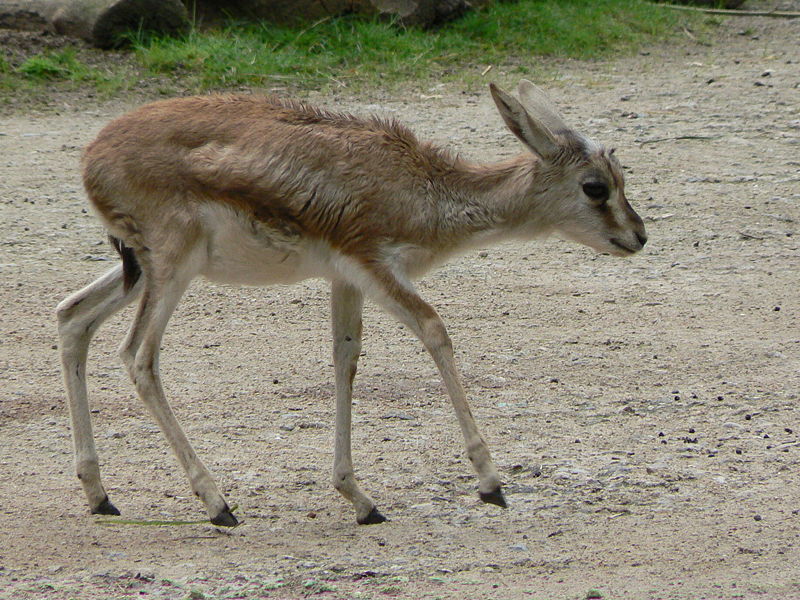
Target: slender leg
[
  {"x": 79, "y": 316},
  {"x": 399, "y": 297},
  {"x": 159, "y": 300},
  {"x": 346, "y": 304}
]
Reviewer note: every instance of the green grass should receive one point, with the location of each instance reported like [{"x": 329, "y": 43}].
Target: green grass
[
  {"x": 57, "y": 66},
  {"x": 359, "y": 52}
]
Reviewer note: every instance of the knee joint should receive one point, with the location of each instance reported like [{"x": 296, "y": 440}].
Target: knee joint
[{"x": 436, "y": 336}]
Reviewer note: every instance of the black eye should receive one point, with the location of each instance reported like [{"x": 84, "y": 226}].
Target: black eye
[{"x": 597, "y": 191}]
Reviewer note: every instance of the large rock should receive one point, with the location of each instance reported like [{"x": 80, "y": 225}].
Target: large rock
[
  {"x": 26, "y": 15},
  {"x": 422, "y": 13},
  {"x": 713, "y": 3},
  {"x": 100, "y": 22},
  {"x": 103, "y": 22}
]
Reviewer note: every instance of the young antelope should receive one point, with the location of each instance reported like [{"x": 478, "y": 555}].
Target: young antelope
[{"x": 258, "y": 190}]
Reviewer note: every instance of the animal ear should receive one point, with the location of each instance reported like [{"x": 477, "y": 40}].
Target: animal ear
[
  {"x": 536, "y": 102},
  {"x": 531, "y": 131}
]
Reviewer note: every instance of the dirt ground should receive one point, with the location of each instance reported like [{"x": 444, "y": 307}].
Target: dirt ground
[{"x": 643, "y": 412}]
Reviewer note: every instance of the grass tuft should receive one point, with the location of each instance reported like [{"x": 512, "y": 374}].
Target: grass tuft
[
  {"x": 54, "y": 67},
  {"x": 63, "y": 65}
]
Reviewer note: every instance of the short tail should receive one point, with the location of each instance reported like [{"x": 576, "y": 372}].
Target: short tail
[{"x": 131, "y": 270}]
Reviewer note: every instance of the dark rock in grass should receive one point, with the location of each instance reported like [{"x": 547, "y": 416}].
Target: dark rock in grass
[
  {"x": 103, "y": 23},
  {"x": 712, "y": 3},
  {"x": 422, "y": 13}
]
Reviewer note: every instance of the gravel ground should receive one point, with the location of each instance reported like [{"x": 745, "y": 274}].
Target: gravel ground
[{"x": 643, "y": 412}]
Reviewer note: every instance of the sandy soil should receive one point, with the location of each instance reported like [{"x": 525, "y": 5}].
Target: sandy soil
[{"x": 643, "y": 412}]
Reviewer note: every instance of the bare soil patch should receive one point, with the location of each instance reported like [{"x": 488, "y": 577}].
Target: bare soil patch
[{"x": 643, "y": 412}]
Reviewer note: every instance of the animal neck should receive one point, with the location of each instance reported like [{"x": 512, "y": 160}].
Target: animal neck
[{"x": 488, "y": 203}]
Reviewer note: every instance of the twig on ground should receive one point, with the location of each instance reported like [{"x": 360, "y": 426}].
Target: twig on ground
[
  {"x": 692, "y": 37},
  {"x": 784, "y": 14},
  {"x": 677, "y": 137}
]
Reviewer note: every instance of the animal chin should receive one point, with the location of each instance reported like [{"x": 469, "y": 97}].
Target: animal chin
[{"x": 625, "y": 249}]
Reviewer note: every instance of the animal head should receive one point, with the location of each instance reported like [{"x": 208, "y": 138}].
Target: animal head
[{"x": 581, "y": 181}]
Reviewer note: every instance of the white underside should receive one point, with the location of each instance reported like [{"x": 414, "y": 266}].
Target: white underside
[{"x": 245, "y": 252}]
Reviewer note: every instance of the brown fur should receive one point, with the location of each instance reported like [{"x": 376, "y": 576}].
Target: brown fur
[{"x": 272, "y": 159}]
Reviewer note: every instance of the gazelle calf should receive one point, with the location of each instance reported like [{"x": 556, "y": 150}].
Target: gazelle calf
[{"x": 252, "y": 190}]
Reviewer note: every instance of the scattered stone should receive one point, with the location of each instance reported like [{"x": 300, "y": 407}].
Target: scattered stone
[{"x": 657, "y": 468}]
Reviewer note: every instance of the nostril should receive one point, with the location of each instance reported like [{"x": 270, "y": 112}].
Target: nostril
[{"x": 642, "y": 238}]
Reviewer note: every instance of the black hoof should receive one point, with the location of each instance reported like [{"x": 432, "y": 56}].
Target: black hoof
[
  {"x": 105, "y": 508},
  {"x": 494, "y": 497},
  {"x": 373, "y": 518},
  {"x": 225, "y": 519}
]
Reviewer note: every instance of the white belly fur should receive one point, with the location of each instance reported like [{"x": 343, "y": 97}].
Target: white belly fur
[
  {"x": 246, "y": 252},
  {"x": 243, "y": 251}
]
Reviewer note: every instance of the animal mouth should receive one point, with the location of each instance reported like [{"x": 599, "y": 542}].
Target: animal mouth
[{"x": 623, "y": 247}]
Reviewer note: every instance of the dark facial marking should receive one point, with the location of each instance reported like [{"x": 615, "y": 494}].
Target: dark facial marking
[{"x": 597, "y": 190}]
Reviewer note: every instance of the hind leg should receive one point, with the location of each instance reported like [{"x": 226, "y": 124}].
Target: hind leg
[
  {"x": 164, "y": 285},
  {"x": 79, "y": 316}
]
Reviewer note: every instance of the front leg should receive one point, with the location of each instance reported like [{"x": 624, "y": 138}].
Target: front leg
[
  {"x": 399, "y": 296},
  {"x": 346, "y": 304}
]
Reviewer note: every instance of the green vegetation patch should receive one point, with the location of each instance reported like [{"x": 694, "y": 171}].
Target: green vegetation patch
[
  {"x": 55, "y": 65},
  {"x": 64, "y": 67},
  {"x": 352, "y": 50}
]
